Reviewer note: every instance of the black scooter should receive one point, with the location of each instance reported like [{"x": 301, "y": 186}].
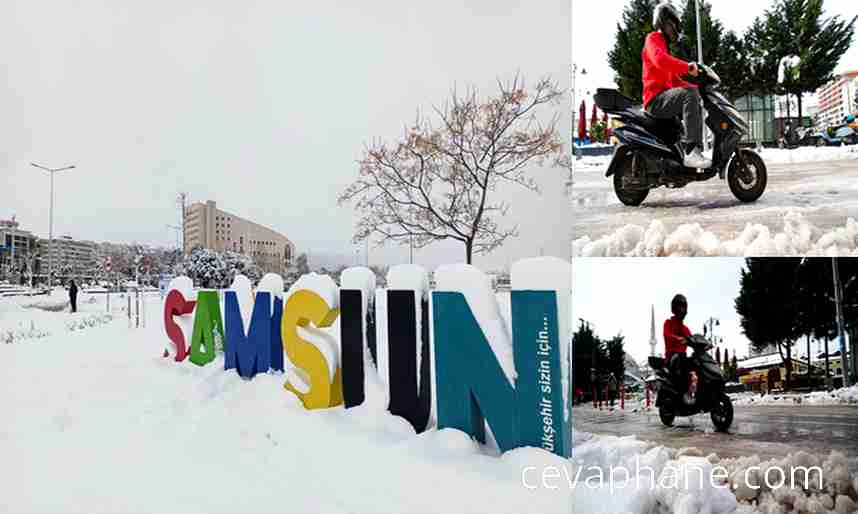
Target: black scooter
[
  {"x": 672, "y": 399},
  {"x": 651, "y": 155}
]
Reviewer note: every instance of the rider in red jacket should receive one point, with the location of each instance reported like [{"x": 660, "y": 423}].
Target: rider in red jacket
[
  {"x": 666, "y": 95},
  {"x": 675, "y": 335}
]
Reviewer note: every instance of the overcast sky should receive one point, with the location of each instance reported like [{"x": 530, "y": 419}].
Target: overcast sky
[
  {"x": 593, "y": 32},
  {"x": 616, "y": 296},
  {"x": 262, "y": 107}
]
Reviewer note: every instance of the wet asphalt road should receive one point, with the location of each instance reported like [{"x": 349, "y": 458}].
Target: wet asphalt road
[
  {"x": 825, "y": 193},
  {"x": 771, "y": 431}
]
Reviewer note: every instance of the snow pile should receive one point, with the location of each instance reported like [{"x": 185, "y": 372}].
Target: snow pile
[
  {"x": 54, "y": 304},
  {"x": 800, "y": 482},
  {"x": 184, "y": 285},
  {"x": 476, "y": 286},
  {"x": 641, "y": 478},
  {"x": 550, "y": 274},
  {"x": 243, "y": 289},
  {"x": 322, "y": 285},
  {"x": 837, "y": 396},
  {"x": 362, "y": 279},
  {"x": 623, "y": 474},
  {"x": 271, "y": 283},
  {"x": 809, "y": 154},
  {"x": 799, "y": 237},
  {"x": 409, "y": 276}
]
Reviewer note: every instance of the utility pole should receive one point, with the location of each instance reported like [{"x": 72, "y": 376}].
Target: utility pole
[
  {"x": 181, "y": 200},
  {"x": 700, "y": 60},
  {"x": 51, "y": 171},
  {"x": 838, "y": 299}
]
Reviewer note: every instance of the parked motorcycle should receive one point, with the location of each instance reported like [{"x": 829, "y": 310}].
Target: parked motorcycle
[
  {"x": 843, "y": 135},
  {"x": 650, "y": 153},
  {"x": 796, "y": 137},
  {"x": 674, "y": 400}
]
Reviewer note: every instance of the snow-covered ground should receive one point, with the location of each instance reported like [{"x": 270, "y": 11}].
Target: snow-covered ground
[
  {"x": 640, "y": 477},
  {"x": 848, "y": 395},
  {"x": 96, "y": 420},
  {"x": 811, "y": 193}
]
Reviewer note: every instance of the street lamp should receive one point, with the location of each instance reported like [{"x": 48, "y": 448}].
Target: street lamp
[{"x": 51, "y": 171}]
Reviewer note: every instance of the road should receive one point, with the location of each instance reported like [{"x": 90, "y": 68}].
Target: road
[
  {"x": 825, "y": 193},
  {"x": 770, "y": 431}
]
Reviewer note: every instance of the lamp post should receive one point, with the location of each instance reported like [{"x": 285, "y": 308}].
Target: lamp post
[
  {"x": 838, "y": 299},
  {"x": 51, "y": 171}
]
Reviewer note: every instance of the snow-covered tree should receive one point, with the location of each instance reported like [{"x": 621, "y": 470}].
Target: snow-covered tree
[{"x": 210, "y": 268}]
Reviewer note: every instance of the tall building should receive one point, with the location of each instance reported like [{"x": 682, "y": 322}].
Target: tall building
[
  {"x": 69, "y": 257},
  {"x": 206, "y": 226},
  {"x": 837, "y": 99},
  {"x": 17, "y": 247}
]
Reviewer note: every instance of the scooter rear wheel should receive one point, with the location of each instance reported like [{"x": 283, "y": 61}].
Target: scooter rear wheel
[
  {"x": 630, "y": 197},
  {"x": 747, "y": 182},
  {"x": 666, "y": 415}
]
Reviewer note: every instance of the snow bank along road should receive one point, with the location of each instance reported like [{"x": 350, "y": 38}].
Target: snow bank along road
[
  {"x": 824, "y": 193},
  {"x": 770, "y": 431}
]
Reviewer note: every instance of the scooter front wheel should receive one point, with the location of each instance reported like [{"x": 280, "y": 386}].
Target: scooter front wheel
[
  {"x": 630, "y": 197},
  {"x": 722, "y": 413},
  {"x": 747, "y": 176}
]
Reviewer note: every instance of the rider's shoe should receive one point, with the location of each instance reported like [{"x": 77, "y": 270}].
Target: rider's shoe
[{"x": 695, "y": 159}]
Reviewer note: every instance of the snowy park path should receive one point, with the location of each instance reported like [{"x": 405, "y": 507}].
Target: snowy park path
[
  {"x": 825, "y": 193},
  {"x": 770, "y": 431}
]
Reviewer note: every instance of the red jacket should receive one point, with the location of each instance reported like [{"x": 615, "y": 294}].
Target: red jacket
[
  {"x": 661, "y": 71},
  {"x": 675, "y": 333}
]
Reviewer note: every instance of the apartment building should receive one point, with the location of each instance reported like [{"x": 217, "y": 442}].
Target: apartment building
[{"x": 206, "y": 226}]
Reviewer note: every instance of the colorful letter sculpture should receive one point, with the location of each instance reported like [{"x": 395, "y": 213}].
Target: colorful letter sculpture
[
  {"x": 177, "y": 305},
  {"x": 538, "y": 388},
  {"x": 207, "y": 323},
  {"x": 248, "y": 354},
  {"x": 351, "y": 341},
  {"x": 406, "y": 399},
  {"x": 471, "y": 386},
  {"x": 301, "y": 309}
]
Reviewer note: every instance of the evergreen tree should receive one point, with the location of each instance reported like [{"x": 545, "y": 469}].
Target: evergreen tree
[
  {"x": 616, "y": 357},
  {"x": 718, "y": 356},
  {"x": 584, "y": 349},
  {"x": 625, "y": 58},
  {"x": 799, "y": 28},
  {"x": 726, "y": 366},
  {"x": 734, "y": 67},
  {"x": 768, "y": 307}
]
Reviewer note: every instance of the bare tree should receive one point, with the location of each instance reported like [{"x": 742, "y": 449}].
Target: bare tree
[{"x": 435, "y": 183}]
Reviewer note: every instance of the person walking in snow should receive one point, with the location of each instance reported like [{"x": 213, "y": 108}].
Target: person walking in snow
[
  {"x": 665, "y": 94},
  {"x": 73, "y": 295}
]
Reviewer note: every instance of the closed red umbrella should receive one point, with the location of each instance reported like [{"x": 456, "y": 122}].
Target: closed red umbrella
[
  {"x": 582, "y": 121},
  {"x": 593, "y": 119}
]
